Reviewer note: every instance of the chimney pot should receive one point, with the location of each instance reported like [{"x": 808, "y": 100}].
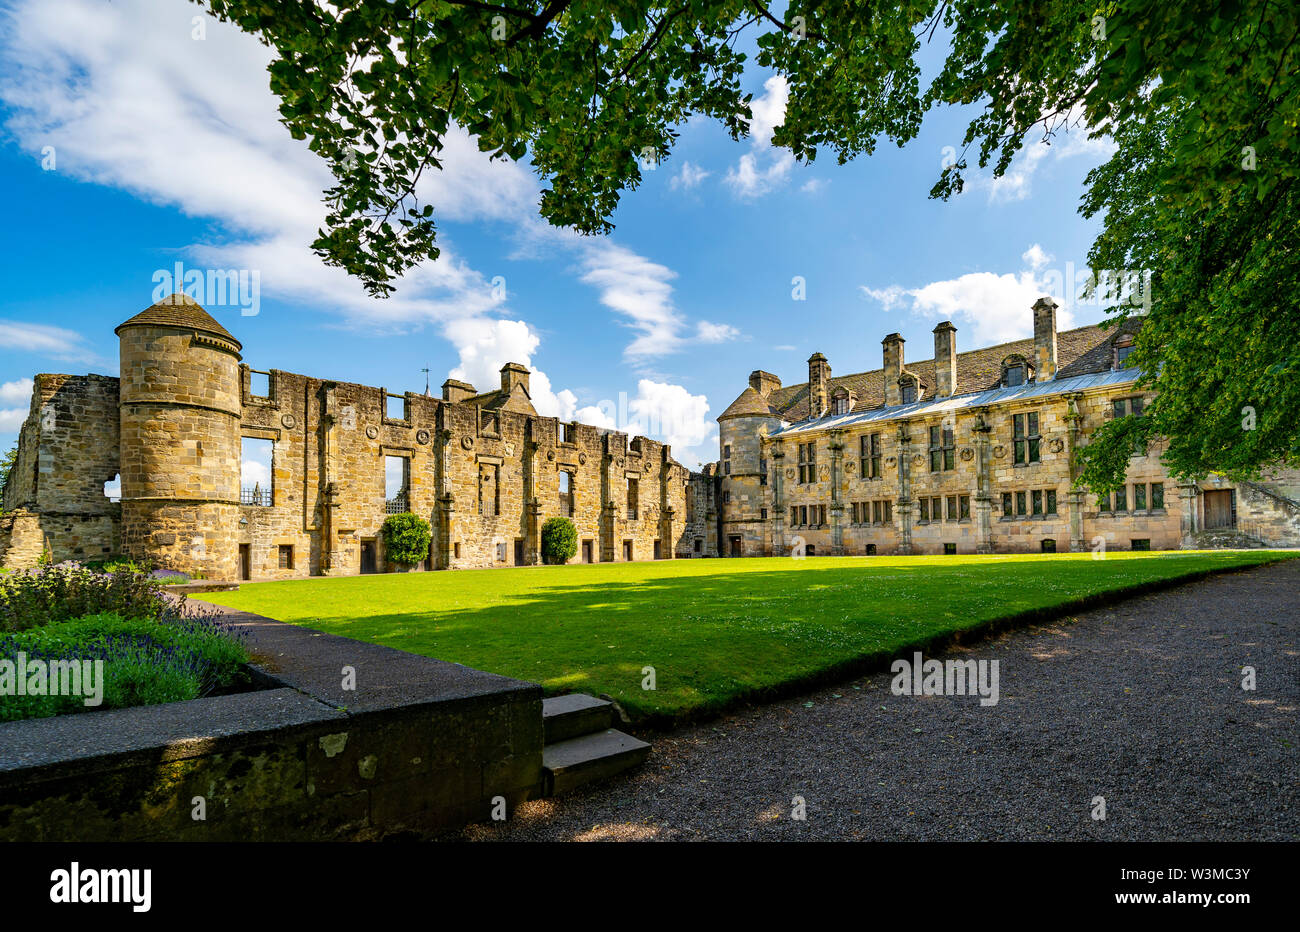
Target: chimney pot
[
  {"x": 893, "y": 344},
  {"x": 945, "y": 360},
  {"x": 1044, "y": 339},
  {"x": 763, "y": 382},
  {"x": 512, "y": 374},
  {"x": 819, "y": 384}
]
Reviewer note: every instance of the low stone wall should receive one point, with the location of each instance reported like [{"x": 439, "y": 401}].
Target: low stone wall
[{"x": 419, "y": 746}]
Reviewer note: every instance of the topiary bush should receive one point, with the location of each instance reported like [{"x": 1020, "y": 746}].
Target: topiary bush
[
  {"x": 406, "y": 538},
  {"x": 559, "y": 540}
]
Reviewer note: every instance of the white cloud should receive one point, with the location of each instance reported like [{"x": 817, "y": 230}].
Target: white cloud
[
  {"x": 688, "y": 176},
  {"x": 487, "y": 345},
  {"x": 995, "y": 307},
  {"x": 663, "y": 411},
  {"x": 813, "y": 185},
  {"x": 17, "y": 391},
  {"x": 640, "y": 290},
  {"x": 129, "y": 100},
  {"x": 11, "y": 419},
  {"x": 763, "y": 167},
  {"x": 46, "y": 340},
  {"x": 1035, "y": 257}
]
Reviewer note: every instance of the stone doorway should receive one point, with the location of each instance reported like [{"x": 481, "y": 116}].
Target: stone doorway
[
  {"x": 245, "y": 561},
  {"x": 368, "y": 562},
  {"x": 1220, "y": 509}
]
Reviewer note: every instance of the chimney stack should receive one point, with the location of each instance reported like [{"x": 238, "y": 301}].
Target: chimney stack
[
  {"x": 819, "y": 385},
  {"x": 512, "y": 374},
  {"x": 454, "y": 392},
  {"x": 945, "y": 360},
  {"x": 893, "y": 368},
  {"x": 1044, "y": 339},
  {"x": 763, "y": 382}
]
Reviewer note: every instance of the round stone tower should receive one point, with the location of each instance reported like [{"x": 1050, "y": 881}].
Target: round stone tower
[{"x": 181, "y": 407}]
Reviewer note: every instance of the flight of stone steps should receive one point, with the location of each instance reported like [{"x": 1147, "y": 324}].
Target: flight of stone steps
[{"x": 581, "y": 744}]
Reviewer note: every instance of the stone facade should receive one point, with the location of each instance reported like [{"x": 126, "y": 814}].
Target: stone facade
[
  {"x": 967, "y": 453},
  {"x": 484, "y": 469},
  {"x": 963, "y": 453}
]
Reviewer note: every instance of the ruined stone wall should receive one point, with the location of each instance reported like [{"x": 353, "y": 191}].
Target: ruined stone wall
[
  {"x": 486, "y": 480},
  {"x": 67, "y": 451},
  {"x": 701, "y": 509}
]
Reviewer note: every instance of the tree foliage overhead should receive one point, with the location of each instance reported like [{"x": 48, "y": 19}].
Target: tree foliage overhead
[{"x": 1202, "y": 99}]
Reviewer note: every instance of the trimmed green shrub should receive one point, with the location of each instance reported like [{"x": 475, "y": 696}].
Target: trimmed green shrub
[
  {"x": 406, "y": 538},
  {"x": 559, "y": 540}
]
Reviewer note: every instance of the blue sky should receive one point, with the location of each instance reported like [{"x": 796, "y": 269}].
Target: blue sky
[{"x": 166, "y": 149}]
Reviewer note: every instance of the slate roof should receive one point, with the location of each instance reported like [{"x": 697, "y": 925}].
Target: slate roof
[
  {"x": 997, "y": 395},
  {"x": 179, "y": 310},
  {"x": 748, "y": 404},
  {"x": 1078, "y": 352}
]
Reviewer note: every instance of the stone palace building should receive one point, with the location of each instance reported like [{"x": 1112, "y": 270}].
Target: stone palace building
[
  {"x": 963, "y": 453},
  {"x": 968, "y": 453}
]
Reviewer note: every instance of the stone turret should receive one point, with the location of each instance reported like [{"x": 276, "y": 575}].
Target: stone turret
[{"x": 181, "y": 409}]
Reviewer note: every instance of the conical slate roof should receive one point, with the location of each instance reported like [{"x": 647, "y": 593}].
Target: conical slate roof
[
  {"x": 749, "y": 404},
  {"x": 179, "y": 310}
]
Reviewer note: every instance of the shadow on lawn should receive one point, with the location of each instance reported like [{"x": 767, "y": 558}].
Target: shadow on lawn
[{"x": 963, "y": 602}]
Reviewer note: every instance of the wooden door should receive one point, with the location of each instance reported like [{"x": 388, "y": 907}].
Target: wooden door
[
  {"x": 245, "y": 562},
  {"x": 1219, "y": 510},
  {"x": 367, "y": 556}
]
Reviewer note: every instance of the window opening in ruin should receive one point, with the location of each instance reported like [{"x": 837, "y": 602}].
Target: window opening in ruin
[
  {"x": 113, "y": 488},
  {"x": 397, "y": 485},
  {"x": 395, "y": 408},
  {"x": 489, "y": 490},
  {"x": 255, "y": 476},
  {"x": 259, "y": 384},
  {"x": 566, "y": 493}
]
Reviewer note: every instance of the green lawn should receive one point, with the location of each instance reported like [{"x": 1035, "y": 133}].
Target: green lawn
[{"x": 716, "y": 631}]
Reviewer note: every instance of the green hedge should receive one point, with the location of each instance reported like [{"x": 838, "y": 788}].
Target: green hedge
[
  {"x": 406, "y": 538},
  {"x": 559, "y": 540}
]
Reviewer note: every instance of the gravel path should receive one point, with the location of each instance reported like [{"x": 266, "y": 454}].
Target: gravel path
[{"x": 1140, "y": 703}]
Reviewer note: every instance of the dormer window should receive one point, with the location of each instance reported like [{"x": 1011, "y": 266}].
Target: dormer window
[
  {"x": 1123, "y": 347},
  {"x": 1015, "y": 371},
  {"x": 842, "y": 401},
  {"x": 907, "y": 390}
]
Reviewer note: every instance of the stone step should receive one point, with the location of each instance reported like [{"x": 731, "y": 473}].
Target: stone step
[
  {"x": 569, "y": 764},
  {"x": 574, "y": 715}
]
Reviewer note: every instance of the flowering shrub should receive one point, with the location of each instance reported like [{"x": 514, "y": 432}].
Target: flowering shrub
[
  {"x": 145, "y": 661},
  {"x": 47, "y": 594}
]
